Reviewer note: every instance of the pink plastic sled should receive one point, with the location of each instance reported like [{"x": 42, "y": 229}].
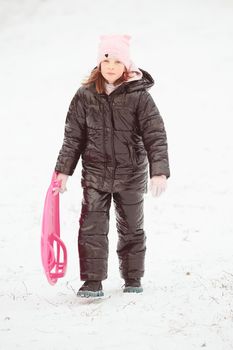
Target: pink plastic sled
[{"x": 53, "y": 250}]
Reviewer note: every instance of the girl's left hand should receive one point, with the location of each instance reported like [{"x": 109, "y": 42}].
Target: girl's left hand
[{"x": 158, "y": 185}]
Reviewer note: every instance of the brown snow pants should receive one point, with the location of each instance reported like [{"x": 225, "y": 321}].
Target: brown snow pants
[{"x": 94, "y": 228}]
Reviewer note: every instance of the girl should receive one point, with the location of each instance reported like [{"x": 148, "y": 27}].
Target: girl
[{"x": 115, "y": 126}]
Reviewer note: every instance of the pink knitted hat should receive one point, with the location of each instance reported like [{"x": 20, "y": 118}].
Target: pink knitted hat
[{"x": 114, "y": 46}]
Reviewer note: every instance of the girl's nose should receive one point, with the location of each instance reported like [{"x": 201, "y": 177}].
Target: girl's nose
[{"x": 111, "y": 64}]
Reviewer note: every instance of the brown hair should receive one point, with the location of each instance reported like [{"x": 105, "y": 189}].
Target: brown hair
[{"x": 97, "y": 78}]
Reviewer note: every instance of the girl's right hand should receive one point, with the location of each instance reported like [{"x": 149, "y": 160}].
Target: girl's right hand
[{"x": 63, "y": 179}]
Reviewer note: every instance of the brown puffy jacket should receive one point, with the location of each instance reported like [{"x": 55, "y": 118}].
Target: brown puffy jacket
[{"x": 116, "y": 135}]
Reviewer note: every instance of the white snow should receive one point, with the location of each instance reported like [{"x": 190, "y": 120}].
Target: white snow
[{"x": 46, "y": 49}]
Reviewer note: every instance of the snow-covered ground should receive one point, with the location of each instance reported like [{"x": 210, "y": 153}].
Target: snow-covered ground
[{"x": 46, "y": 49}]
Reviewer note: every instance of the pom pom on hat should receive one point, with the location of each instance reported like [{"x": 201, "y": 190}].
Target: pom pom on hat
[{"x": 114, "y": 46}]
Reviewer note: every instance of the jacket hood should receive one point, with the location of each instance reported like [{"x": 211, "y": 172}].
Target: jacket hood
[{"x": 146, "y": 82}]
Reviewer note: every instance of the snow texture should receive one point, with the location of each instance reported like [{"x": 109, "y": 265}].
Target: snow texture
[{"x": 46, "y": 49}]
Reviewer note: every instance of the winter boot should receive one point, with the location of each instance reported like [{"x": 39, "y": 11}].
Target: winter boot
[
  {"x": 91, "y": 289},
  {"x": 133, "y": 285}
]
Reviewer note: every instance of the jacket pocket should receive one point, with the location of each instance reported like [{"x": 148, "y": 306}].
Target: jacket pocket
[{"x": 132, "y": 156}]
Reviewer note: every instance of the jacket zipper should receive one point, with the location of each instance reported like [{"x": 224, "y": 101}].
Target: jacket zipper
[
  {"x": 105, "y": 162},
  {"x": 112, "y": 142}
]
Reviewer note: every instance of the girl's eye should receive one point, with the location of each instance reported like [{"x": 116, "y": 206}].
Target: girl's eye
[{"x": 118, "y": 61}]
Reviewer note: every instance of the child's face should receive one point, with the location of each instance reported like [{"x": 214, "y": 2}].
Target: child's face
[{"x": 112, "y": 69}]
